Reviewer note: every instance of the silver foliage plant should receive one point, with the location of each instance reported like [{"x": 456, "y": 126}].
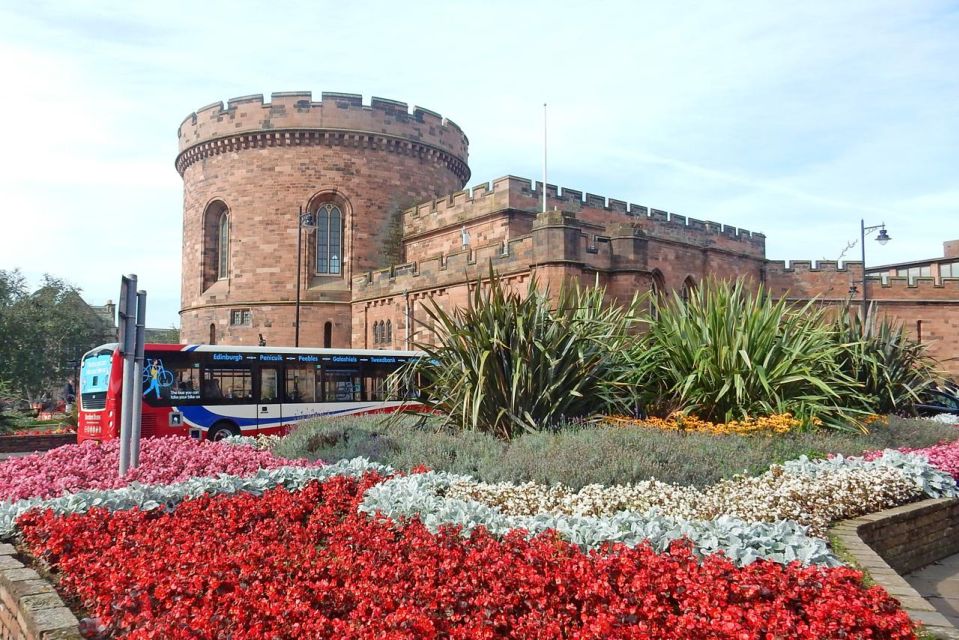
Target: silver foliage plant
[
  {"x": 422, "y": 496},
  {"x": 933, "y": 482}
]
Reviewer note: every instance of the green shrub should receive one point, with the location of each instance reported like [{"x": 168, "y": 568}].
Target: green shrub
[
  {"x": 727, "y": 354},
  {"x": 577, "y": 455},
  {"x": 511, "y": 363},
  {"x": 891, "y": 368}
]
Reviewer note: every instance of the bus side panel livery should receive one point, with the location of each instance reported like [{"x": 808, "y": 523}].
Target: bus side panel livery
[{"x": 211, "y": 392}]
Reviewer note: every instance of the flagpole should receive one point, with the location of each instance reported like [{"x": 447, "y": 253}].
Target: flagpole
[{"x": 544, "y": 157}]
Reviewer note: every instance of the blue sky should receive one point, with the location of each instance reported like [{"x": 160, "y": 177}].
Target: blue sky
[{"x": 796, "y": 119}]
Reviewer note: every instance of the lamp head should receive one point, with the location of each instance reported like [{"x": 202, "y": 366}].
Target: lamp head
[{"x": 883, "y": 237}]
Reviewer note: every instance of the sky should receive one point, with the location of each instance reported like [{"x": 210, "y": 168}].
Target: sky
[{"x": 794, "y": 119}]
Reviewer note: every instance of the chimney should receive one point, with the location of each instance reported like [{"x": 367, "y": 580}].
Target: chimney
[{"x": 950, "y": 249}]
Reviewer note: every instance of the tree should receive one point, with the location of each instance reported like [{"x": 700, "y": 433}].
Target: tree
[{"x": 41, "y": 333}]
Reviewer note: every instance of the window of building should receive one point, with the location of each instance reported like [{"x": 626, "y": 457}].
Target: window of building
[
  {"x": 212, "y": 333},
  {"x": 949, "y": 270},
  {"x": 216, "y": 244},
  {"x": 389, "y": 332},
  {"x": 329, "y": 239},
  {"x": 223, "y": 246},
  {"x": 376, "y": 332},
  {"x": 915, "y": 272},
  {"x": 327, "y": 335},
  {"x": 689, "y": 285},
  {"x": 241, "y": 317}
]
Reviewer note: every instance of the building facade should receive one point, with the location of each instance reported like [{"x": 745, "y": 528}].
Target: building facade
[{"x": 390, "y": 228}]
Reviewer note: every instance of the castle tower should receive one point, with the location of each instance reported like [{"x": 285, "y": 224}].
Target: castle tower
[{"x": 247, "y": 171}]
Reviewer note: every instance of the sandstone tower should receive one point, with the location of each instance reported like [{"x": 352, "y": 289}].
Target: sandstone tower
[{"x": 248, "y": 168}]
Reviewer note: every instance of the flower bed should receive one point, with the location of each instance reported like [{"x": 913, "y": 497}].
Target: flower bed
[
  {"x": 308, "y": 564},
  {"x": 764, "y": 425},
  {"x": 810, "y": 493},
  {"x": 944, "y": 456},
  {"x": 94, "y": 466}
]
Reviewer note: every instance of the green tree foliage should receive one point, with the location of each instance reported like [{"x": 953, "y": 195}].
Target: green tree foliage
[
  {"x": 41, "y": 333},
  {"x": 512, "y": 363}
]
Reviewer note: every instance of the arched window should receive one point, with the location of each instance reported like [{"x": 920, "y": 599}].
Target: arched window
[
  {"x": 376, "y": 332},
  {"x": 657, "y": 292},
  {"x": 389, "y": 331},
  {"x": 212, "y": 333},
  {"x": 329, "y": 239},
  {"x": 327, "y": 335},
  {"x": 216, "y": 244},
  {"x": 689, "y": 286},
  {"x": 223, "y": 246}
]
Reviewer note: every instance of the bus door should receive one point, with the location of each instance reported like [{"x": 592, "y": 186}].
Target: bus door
[
  {"x": 299, "y": 399},
  {"x": 269, "y": 408}
]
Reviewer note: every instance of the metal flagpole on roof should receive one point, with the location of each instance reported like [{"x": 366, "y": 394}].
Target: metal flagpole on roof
[{"x": 544, "y": 157}]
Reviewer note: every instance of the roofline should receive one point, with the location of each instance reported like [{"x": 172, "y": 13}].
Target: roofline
[
  {"x": 203, "y": 348},
  {"x": 911, "y": 263}
]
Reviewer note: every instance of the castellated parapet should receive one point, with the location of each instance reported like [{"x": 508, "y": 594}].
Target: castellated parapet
[
  {"x": 521, "y": 194},
  {"x": 293, "y": 118}
]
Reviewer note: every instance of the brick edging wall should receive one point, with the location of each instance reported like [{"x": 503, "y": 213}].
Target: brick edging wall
[
  {"x": 900, "y": 540},
  {"x": 16, "y": 444},
  {"x": 30, "y": 608}
]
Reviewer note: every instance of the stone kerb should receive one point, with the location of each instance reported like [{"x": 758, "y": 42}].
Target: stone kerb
[
  {"x": 890, "y": 543},
  {"x": 30, "y": 608}
]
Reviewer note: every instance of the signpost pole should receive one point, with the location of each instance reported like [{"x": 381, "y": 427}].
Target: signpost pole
[
  {"x": 138, "y": 378},
  {"x": 127, "y": 327}
]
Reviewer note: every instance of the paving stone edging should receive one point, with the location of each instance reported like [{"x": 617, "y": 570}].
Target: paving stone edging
[
  {"x": 901, "y": 540},
  {"x": 30, "y": 608}
]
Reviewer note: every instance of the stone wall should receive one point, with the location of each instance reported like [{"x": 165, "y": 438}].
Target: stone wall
[
  {"x": 30, "y": 608},
  {"x": 19, "y": 444},
  {"x": 890, "y": 543}
]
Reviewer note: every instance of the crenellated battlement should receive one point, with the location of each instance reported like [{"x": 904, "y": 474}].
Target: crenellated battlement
[
  {"x": 295, "y": 118},
  {"x": 511, "y": 192},
  {"x": 828, "y": 279}
]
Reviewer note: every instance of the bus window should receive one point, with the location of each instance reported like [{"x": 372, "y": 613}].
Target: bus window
[
  {"x": 301, "y": 384},
  {"x": 343, "y": 385},
  {"x": 378, "y": 386},
  {"x": 169, "y": 380},
  {"x": 227, "y": 385},
  {"x": 269, "y": 385},
  {"x": 186, "y": 382}
]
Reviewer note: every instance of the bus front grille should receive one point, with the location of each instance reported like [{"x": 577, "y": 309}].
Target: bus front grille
[{"x": 93, "y": 401}]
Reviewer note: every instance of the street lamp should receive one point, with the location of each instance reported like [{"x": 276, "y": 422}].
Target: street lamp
[
  {"x": 882, "y": 239},
  {"x": 304, "y": 221}
]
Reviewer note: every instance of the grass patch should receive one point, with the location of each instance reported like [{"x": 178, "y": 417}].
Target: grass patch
[{"x": 578, "y": 455}]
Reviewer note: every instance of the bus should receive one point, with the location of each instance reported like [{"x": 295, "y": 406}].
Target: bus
[{"x": 210, "y": 392}]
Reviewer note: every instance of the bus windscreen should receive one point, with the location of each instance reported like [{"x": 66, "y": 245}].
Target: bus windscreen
[{"x": 95, "y": 380}]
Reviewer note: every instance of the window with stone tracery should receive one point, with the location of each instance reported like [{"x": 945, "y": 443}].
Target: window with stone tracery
[{"x": 329, "y": 239}]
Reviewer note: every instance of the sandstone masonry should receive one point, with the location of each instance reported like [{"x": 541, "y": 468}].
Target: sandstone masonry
[{"x": 411, "y": 234}]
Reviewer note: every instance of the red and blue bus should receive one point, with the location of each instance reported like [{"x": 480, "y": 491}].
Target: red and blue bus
[{"x": 212, "y": 392}]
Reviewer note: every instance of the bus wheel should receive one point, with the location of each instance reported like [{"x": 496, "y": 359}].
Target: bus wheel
[{"x": 222, "y": 430}]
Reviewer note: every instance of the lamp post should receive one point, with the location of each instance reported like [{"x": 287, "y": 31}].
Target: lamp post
[
  {"x": 303, "y": 221},
  {"x": 882, "y": 239}
]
